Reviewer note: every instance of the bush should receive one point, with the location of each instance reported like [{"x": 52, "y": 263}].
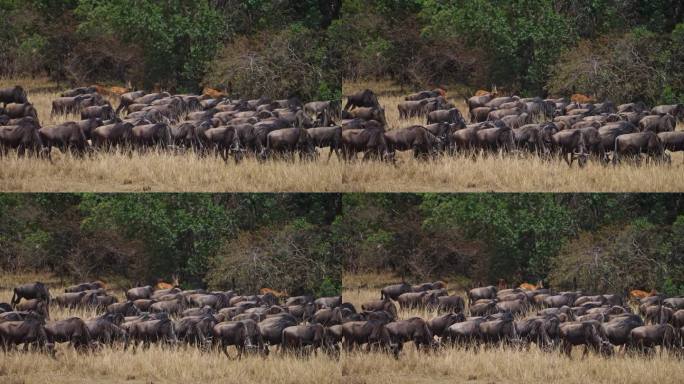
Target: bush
[
  {"x": 290, "y": 63},
  {"x": 286, "y": 258},
  {"x": 623, "y": 69}
]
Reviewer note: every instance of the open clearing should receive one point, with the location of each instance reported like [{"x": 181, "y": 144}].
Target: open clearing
[{"x": 498, "y": 365}]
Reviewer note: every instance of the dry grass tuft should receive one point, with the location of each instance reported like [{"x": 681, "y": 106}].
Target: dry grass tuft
[{"x": 500, "y": 364}]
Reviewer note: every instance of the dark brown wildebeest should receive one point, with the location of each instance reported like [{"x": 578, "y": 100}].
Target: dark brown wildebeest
[
  {"x": 305, "y": 338},
  {"x": 106, "y": 330},
  {"x": 149, "y": 331},
  {"x": 499, "y": 114},
  {"x": 373, "y": 333},
  {"x": 678, "y": 318},
  {"x": 672, "y": 141},
  {"x": 570, "y": 145},
  {"x": 328, "y": 317},
  {"x": 214, "y": 300},
  {"x": 381, "y": 305},
  {"x": 221, "y": 141},
  {"x": 449, "y": 116},
  {"x": 479, "y": 101},
  {"x": 674, "y": 302},
  {"x": 23, "y": 136},
  {"x": 482, "y": 293},
  {"x": 414, "y": 300},
  {"x": 535, "y": 330},
  {"x": 658, "y": 123},
  {"x": 195, "y": 330},
  {"x": 413, "y": 329},
  {"x": 35, "y": 290},
  {"x": 515, "y": 307},
  {"x": 393, "y": 291},
  {"x": 72, "y": 330},
  {"x": 676, "y": 110},
  {"x": 85, "y": 287},
  {"x": 28, "y": 331},
  {"x": 327, "y": 137},
  {"x": 272, "y": 327},
  {"x": 479, "y": 114},
  {"x": 610, "y": 132},
  {"x": 66, "y": 136},
  {"x": 501, "y": 329},
  {"x": 70, "y": 299},
  {"x": 14, "y": 94},
  {"x": 365, "y": 98},
  {"x": 618, "y": 328},
  {"x": 584, "y": 333},
  {"x": 495, "y": 139},
  {"x": 529, "y": 137},
  {"x": 104, "y": 112},
  {"x": 127, "y": 308},
  {"x": 110, "y": 135},
  {"x": 172, "y": 307},
  {"x": 17, "y": 111},
  {"x": 415, "y": 138},
  {"x": 454, "y": 303},
  {"x": 634, "y": 144},
  {"x": 139, "y": 293},
  {"x": 232, "y": 333},
  {"x": 328, "y": 302},
  {"x": 327, "y": 110},
  {"x": 439, "y": 324},
  {"x": 409, "y": 109},
  {"x": 370, "y": 141},
  {"x": 367, "y": 114},
  {"x": 39, "y": 306},
  {"x": 658, "y": 314},
  {"x": 646, "y": 337},
  {"x": 465, "y": 333},
  {"x": 287, "y": 141},
  {"x": 423, "y": 95},
  {"x": 482, "y": 307}
]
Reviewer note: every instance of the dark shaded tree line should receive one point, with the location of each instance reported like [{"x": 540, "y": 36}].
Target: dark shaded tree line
[
  {"x": 173, "y": 44},
  {"x": 215, "y": 240},
  {"x": 590, "y": 241},
  {"x": 620, "y": 49}
]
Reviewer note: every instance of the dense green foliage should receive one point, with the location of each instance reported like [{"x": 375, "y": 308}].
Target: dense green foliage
[
  {"x": 299, "y": 242},
  {"x": 242, "y": 241},
  {"x": 526, "y": 46},
  {"x": 518, "y": 237},
  {"x": 168, "y": 44}
]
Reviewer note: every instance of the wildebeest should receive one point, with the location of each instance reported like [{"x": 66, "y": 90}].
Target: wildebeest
[
  {"x": 415, "y": 138},
  {"x": 365, "y": 98},
  {"x": 287, "y": 141},
  {"x": 373, "y": 333},
  {"x": 14, "y": 94},
  {"x": 39, "y": 306},
  {"x": 413, "y": 329},
  {"x": 72, "y": 330},
  {"x": 28, "y": 331},
  {"x": 583, "y": 333},
  {"x": 394, "y": 291},
  {"x": 327, "y": 137},
  {"x": 370, "y": 141},
  {"x": 23, "y": 137},
  {"x": 570, "y": 145},
  {"x": 658, "y": 123},
  {"x": 67, "y": 136},
  {"x": 634, "y": 144},
  {"x": 676, "y": 110},
  {"x": 646, "y": 337},
  {"x": 29, "y": 291}
]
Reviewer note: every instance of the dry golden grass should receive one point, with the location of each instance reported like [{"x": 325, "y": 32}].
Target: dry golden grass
[
  {"x": 154, "y": 365},
  {"x": 500, "y": 365},
  {"x": 164, "y": 171}
]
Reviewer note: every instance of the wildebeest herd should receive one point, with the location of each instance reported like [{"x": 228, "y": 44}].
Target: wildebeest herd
[
  {"x": 576, "y": 131},
  {"x": 141, "y": 121},
  {"x": 516, "y": 318},
  {"x": 172, "y": 317}
]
